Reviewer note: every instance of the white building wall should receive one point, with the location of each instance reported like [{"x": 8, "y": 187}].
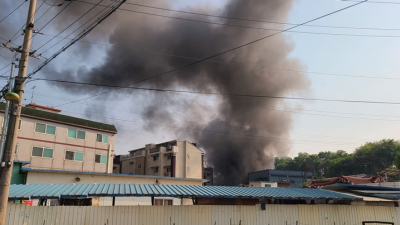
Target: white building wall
[
  {"x": 35, "y": 177},
  {"x": 60, "y": 142}
]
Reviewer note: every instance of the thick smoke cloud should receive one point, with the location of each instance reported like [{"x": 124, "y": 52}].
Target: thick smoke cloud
[{"x": 239, "y": 134}]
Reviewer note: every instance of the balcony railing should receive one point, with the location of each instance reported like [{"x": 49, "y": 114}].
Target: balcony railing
[{"x": 154, "y": 150}]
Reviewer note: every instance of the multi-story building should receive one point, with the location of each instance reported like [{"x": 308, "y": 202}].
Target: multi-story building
[
  {"x": 282, "y": 177},
  {"x": 173, "y": 159},
  {"x": 209, "y": 175},
  {"x": 53, "y": 141}
]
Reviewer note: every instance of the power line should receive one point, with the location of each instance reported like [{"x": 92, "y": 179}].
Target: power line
[
  {"x": 12, "y": 38},
  {"x": 55, "y": 3},
  {"x": 12, "y": 11},
  {"x": 66, "y": 37},
  {"x": 223, "y": 62},
  {"x": 221, "y": 53},
  {"x": 260, "y": 28},
  {"x": 250, "y": 20},
  {"x": 221, "y": 94},
  {"x": 396, "y": 3},
  {"x": 70, "y": 24},
  {"x": 80, "y": 36}
]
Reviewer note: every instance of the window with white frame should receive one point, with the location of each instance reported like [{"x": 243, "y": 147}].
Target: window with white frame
[
  {"x": 45, "y": 128},
  {"x": 78, "y": 134},
  {"x": 76, "y": 156},
  {"x": 42, "y": 152},
  {"x": 102, "y": 138},
  {"x": 100, "y": 159}
]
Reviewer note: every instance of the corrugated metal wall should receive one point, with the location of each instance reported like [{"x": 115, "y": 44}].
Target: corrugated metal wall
[{"x": 19, "y": 214}]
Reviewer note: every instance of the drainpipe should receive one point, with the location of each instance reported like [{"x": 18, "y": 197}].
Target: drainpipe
[{"x": 109, "y": 160}]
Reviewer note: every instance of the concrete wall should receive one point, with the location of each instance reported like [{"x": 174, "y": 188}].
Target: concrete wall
[
  {"x": 194, "y": 165},
  {"x": 262, "y": 184},
  {"x": 18, "y": 214},
  {"x": 69, "y": 178},
  {"x": 60, "y": 142}
]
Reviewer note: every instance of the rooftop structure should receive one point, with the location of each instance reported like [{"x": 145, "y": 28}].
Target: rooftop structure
[
  {"x": 295, "y": 178},
  {"x": 346, "y": 180}
]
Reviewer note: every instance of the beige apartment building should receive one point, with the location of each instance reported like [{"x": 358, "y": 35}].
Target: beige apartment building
[
  {"x": 172, "y": 159},
  {"x": 53, "y": 141}
]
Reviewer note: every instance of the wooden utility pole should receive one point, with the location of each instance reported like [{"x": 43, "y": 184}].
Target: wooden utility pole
[{"x": 15, "y": 111}]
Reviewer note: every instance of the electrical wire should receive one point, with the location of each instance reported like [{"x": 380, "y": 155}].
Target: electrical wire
[
  {"x": 249, "y": 20},
  {"x": 396, "y": 3},
  {"x": 221, "y": 53},
  {"x": 14, "y": 36},
  {"x": 12, "y": 11},
  {"x": 258, "y": 28},
  {"x": 70, "y": 25},
  {"x": 66, "y": 37},
  {"x": 220, "y": 94},
  {"x": 79, "y": 36},
  {"x": 245, "y": 19},
  {"x": 54, "y": 4},
  {"x": 223, "y": 62}
]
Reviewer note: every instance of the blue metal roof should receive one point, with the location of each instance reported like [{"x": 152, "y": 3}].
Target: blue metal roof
[
  {"x": 22, "y": 162},
  {"x": 108, "y": 174},
  {"x": 358, "y": 187},
  {"x": 41, "y": 191}
]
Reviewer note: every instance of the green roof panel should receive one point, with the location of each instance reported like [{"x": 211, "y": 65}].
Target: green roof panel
[{"x": 64, "y": 118}]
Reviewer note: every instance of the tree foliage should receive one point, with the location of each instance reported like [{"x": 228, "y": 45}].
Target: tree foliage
[{"x": 369, "y": 158}]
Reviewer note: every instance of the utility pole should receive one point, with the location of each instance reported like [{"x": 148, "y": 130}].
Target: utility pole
[
  {"x": 6, "y": 113},
  {"x": 15, "y": 111}
]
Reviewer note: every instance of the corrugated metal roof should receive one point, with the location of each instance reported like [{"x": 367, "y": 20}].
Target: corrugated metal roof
[
  {"x": 107, "y": 174},
  {"x": 40, "y": 191}
]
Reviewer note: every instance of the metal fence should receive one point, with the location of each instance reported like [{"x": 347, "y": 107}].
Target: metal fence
[{"x": 202, "y": 215}]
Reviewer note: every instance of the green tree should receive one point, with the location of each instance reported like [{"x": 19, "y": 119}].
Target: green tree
[
  {"x": 369, "y": 158},
  {"x": 375, "y": 156}
]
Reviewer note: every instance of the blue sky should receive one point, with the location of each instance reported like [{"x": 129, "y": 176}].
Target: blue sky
[{"x": 320, "y": 126}]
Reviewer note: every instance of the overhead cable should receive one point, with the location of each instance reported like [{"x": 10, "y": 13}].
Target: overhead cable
[
  {"x": 12, "y": 11},
  {"x": 221, "y": 53},
  {"x": 223, "y": 94}
]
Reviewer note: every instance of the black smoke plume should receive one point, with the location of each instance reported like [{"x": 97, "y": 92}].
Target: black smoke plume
[{"x": 239, "y": 134}]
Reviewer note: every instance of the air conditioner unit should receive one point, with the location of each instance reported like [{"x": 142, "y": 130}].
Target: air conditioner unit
[{"x": 167, "y": 174}]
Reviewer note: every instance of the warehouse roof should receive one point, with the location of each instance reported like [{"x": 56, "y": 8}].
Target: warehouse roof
[
  {"x": 108, "y": 174},
  {"x": 56, "y": 117},
  {"x": 42, "y": 191}
]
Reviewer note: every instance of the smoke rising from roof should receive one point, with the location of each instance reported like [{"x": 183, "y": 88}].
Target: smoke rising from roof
[{"x": 238, "y": 138}]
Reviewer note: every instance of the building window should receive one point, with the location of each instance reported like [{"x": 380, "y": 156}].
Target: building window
[
  {"x": 102, "y": 138},
  {"x": 100, "y": 159},
  {"x": 139, "y": 166},
  {"x": 45, "y": 128},
  {"x": 77, "y": 156},
  {"x": 169, "y": 157},
  {"x": 72, "y": 133},
  {"x": 16, "y": 149},
  {"x": 162, "y": 202},
  {"x": 155, "y": 170},
  {"x": 19, "y": 125},
  {"x": 168, "y": 169},
  {"x": 155, "y": 158},
  {"x": 42, "y": 152}
]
